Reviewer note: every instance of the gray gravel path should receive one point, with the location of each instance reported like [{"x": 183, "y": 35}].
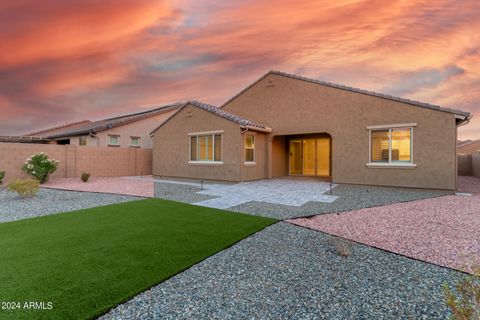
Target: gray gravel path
[
  {"x": 179, "y": 192},
  {"x": 350, "y": 197},
  {"x": 288, "y": 272},
  {"x": 49, "y": 201}
]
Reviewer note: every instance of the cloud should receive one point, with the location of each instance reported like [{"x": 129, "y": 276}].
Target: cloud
[
  {"x": 414, "y": 81},
  {"x": 88, "y": 59}
]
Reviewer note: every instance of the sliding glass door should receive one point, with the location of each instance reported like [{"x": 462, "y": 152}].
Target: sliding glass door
[{"x": 309, "y": 157}]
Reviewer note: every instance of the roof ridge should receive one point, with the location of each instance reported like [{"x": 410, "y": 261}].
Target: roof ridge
[
  {"x": 109, "y": 123},
  {"x": 154, "y": 109},
  {"x": 66, "y": 125},
  {"x": 244, "y": 122},
  {"x": 227, "y": 115},
  {"x": 466, "y": 143},
  {"x": 352, "y": 89}
]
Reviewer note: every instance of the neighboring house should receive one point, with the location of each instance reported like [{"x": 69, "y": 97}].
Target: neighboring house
[
  {"x": 468, "y": 147},
  {"x": 131, "y": 130},
  {"x": 284, "y": 124}
]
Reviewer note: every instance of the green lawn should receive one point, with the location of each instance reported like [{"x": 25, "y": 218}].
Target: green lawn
[{"x": 88, "y": 261}]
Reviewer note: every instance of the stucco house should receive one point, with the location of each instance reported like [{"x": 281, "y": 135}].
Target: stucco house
[
  {"x": 468, "y": 147},
  {"x": 287, "y": 125},
  {"x": 130, "y": 130}
]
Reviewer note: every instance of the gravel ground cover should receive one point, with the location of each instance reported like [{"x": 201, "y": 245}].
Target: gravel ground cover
[
  {"x": 288, "y": 272},
  {"x": 132, "y": 186},
  {"x": 444, "y": 230},
  {"x": 469, "y": 184},
  {"x": 179, "y": 192},
  {"x": 350, "y": 197},
  {"x": 49, "y": 201}
]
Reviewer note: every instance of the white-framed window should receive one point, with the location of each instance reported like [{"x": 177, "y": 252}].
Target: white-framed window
[
  {"x": 206, "y": 147},
  {"x": 82, "y": 141},
  {"x": 391, "y": 146},
  {"x": 135, "y": 141},
  {"x": 249, "y": 148},
  {"x": 113, "y": 140}
]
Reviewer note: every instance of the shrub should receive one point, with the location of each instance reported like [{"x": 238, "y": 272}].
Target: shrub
[
  {"x": 344, "y": 247},
  {"x": 465, "y": 303},
  {"x": 24, "y": 188},
  {"x": 2, "y": 175},
  {"x": 40, "y": 167},
  {"x": 85, "y": 176}
]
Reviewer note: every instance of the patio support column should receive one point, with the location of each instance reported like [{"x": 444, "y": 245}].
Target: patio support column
[{"x": 269, "y": 156}]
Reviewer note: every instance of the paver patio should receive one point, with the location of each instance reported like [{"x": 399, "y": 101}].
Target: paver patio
[
  {"x": 279, "y": 198},
  {"x": 287, "y": 197},
  {"x": 443, "y": 231},
  {"x": 288, "y": 192}
]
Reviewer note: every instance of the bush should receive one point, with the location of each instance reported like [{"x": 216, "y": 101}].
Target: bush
[
  {"x": 2, "y": 175},
  {"x": 24, "y": 188},
  {"x": 344, "y": 247},
  {"x": 40, "y": 167},
  {"x": 85, "y": 176},
  {"x": 465, "y": 303}
]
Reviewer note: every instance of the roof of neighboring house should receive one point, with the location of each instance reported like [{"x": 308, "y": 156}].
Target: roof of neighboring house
[
  {"x": 243, "y": 122},
  {"x": 105, "y": 124},
  {"x": 459, "y": 142},
  {"x": 466, "y": 143},
  {"x": 356, "y": 90},
  {"x": 50, "y": 131}
]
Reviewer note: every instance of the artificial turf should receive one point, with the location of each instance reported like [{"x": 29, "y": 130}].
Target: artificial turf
[{"x": 88, "y": 261}]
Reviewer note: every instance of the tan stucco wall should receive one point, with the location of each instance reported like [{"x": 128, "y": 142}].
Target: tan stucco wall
[
  {"x": 171, "y": 152},
  {"x": 73, "y": 160},
  {"x": 140, "y": 128},
  {"x": 280, "y": 156},
  {"x": 256, "y": 171},
  {"x": 298, "y": 107}
]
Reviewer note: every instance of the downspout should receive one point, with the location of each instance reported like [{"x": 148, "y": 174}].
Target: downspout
[
  {"x": 465, "y": 122},
  {"x": 241, "y": 152}
]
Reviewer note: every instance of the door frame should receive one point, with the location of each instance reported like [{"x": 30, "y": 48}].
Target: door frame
[
  {"x": 316, "y": 159},
  {"x": 301, "y": 155}
]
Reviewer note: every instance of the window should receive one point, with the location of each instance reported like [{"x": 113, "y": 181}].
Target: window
[
  {"x": 249, "y": 148},
  {"x": 135, "y": 141},
  {"x": 113, "y": 140},
  {"x": 206, "y": 148},
  {"x": 82, "y": 141},
  {"x": 391, "y": 146}
]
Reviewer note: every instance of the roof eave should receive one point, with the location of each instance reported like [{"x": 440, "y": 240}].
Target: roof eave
[
  {"x": 463, "y": 119},
  {"x": 257, "y": 129}
]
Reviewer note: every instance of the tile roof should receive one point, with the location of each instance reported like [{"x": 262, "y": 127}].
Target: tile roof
[
  {"x": 466, "y": 143},
  {"x": 109, "y": 123},
  {"x": 356, "y": 90},
  {"x": 51, "y": 131},
  {"x": 227, "y": 115},
  {"x": 244, "y": 122}
]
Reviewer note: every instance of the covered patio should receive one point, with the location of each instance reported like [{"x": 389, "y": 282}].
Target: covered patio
[{"x": 308, "y": 155}]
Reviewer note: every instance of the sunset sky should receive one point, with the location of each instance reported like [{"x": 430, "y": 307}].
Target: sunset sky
[{"x": 86, "y": 59}]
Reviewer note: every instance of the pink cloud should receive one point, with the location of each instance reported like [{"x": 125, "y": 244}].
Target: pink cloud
[{"x": 92, "y": 59}]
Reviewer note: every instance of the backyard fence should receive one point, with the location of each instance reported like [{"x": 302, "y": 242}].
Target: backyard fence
[
  {"x": 469, "y": 165},
  {"x": 73, "y": 160}
]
